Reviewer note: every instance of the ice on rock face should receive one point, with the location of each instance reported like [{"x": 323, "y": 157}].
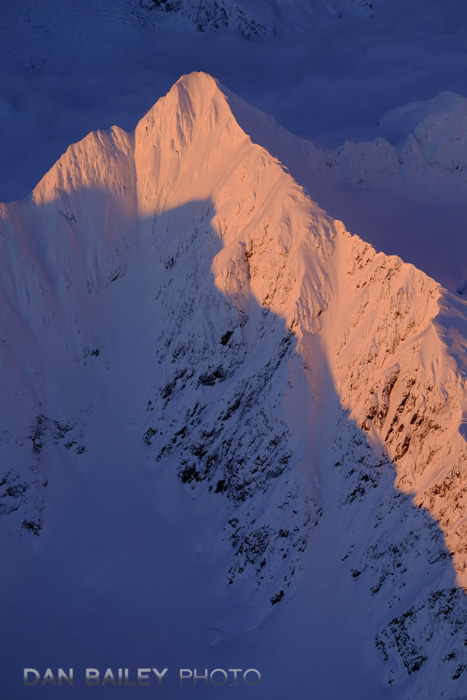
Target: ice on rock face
[{"x": 207, "y": 377}]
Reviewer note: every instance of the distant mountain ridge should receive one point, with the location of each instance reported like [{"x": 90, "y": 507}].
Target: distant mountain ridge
[{"x": 261, "y": 20}]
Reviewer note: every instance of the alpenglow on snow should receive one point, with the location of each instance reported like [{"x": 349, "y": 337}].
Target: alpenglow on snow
[{"x": 232, "y": 433}]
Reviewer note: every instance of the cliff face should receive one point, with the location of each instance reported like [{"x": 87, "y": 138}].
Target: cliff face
[
  {"x": 193, "y": 346},
  {"x": 395, "y": 374}
]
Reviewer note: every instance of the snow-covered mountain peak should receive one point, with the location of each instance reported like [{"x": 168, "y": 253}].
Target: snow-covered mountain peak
[
  {"x": 419, "y": 148},
  {"x": 189, "y": 148},
  {"x": 193, "y": 116},
  {"x": 192, "y": 123},
  {"x": 196, "y": 348},
  {"x": 445, "y": 113},
  {"x": 97, "y": 163},
  {"x": 193, "y": 95}
]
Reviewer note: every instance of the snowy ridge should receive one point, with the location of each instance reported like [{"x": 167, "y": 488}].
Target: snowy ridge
[
  {"x": 393, "y": 371},
  {"x": 421, "y": 148},
  {"x": 387, "y": 189},
  {"x": 182, "y": 324},
  {"x": 264, "y": 19},
  {"x": 380, "y": 332}
]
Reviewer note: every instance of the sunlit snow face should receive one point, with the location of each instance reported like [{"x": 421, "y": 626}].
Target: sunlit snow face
[
  {"x": 73, "y": 72},
  {"x": 249, "y": 503}
]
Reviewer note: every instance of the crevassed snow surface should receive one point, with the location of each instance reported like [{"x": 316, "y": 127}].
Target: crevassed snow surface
[{"x": 232, "y": 433}]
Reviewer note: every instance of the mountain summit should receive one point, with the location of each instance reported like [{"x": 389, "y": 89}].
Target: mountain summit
[{"x": 232, "y": 433}]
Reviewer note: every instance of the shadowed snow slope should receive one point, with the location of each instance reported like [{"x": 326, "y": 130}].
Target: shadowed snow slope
[{"x": 232, "y": 434}]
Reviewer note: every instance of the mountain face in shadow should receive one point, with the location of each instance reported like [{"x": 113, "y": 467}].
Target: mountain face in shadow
[{"x": 232, "y": 433}]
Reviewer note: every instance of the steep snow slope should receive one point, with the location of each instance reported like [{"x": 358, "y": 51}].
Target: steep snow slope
[
  {"x": 400, "y": 194},
  {"x": 393, "y": 371},
  {"x": 205, "y": 379}
]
